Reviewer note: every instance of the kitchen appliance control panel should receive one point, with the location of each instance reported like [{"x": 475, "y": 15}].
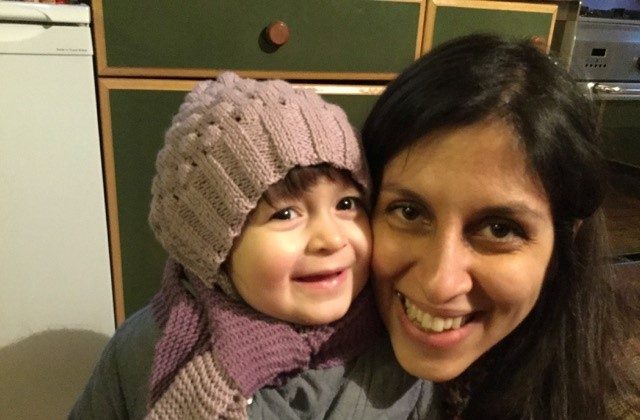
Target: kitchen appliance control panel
[{"x": 606, "y": 50}]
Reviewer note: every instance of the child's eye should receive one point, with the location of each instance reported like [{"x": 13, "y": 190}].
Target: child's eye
[
  {"x": 348, "y": 203},
  {"x": 285, "y": 214}
]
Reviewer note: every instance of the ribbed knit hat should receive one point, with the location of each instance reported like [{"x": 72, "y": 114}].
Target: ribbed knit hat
[{"x": 231, "y": 139}]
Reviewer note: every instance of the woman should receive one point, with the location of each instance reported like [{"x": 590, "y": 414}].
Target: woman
[{"x": 489, "y": 253}]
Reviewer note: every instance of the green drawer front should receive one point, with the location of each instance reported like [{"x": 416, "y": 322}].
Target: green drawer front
[
  {"x": 139, "y": 119},
  {"x": 452, "y": 22},
  {"x": 326, "y": 35},
  {"x": 621, "y": 128}
]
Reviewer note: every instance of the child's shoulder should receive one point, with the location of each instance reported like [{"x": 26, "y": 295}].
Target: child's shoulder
[
  {"x": 118, "y": 386},
  {"x": 140, "y": 327},
  {"x": 133, "y": 343}
]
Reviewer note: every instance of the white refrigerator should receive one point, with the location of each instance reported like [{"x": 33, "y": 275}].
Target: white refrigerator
[{"x": 54, "y": 254}]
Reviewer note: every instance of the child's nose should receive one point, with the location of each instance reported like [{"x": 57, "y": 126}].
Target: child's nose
[{"x": 326, "y": 236}]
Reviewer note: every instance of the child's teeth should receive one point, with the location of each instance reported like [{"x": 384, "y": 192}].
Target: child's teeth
[{"x": 428, "y": 322}]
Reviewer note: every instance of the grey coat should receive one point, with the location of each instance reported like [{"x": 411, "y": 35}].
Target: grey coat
[{"x": 373, "y": 386}]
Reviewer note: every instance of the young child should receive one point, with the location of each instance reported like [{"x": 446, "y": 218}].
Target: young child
[{"x": 260, "y": 200}]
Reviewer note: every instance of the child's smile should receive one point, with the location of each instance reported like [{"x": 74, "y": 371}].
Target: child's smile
[{"x": 304, "y": 259}]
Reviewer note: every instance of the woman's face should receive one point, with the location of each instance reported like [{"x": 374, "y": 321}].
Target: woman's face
[{"x": 463, "y": 235}]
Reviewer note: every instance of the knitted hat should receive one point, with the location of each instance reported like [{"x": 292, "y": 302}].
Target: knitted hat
[{"x": 231, "y": 139}]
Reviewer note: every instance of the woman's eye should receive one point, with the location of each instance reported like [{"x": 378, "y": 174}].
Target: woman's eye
[
  {"x": 502, "y": 231},
  {"x": 407, "y": 212},
  {"x": 348, "y": 203},
  {"x": 285, "y": 214},
  {"x": 499, "y": 230}
]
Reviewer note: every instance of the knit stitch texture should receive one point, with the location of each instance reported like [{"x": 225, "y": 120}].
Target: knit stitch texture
[
  {"x": 234, "y": 351},
  {"x": 230, "y": 141}
]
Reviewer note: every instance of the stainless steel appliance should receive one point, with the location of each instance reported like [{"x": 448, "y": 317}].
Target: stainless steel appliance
[{"x": 605, "y": 59}]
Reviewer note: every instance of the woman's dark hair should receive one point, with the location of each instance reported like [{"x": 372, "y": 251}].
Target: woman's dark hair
[{"x": 572, "y": 356}]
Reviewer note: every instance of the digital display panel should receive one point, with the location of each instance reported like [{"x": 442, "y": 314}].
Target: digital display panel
[{"x": 598, "y": 52}]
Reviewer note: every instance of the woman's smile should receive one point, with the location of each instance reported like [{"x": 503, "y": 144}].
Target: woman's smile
[
  {"x": 430, "y": 322},
  {"x": 462, "y": 238},
  {"x": 437, "y": 331}
]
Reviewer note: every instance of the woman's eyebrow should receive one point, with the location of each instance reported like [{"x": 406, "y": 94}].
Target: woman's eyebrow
[
  {"x": 403, "y": 193},
  {"x": 396, "y": 189},
  {"x": 508, "y": 209},
  {"x": 511, "y": 209}
]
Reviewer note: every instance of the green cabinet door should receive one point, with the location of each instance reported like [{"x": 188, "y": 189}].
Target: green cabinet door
[
  {"x": 134, "y": 121},
  {"x": 448, "y": 19},
  {"x": 328, "y": 39},
  {"x": 621, "y": 129}
]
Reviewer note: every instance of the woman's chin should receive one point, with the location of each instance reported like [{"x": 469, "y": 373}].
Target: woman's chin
[
  {"x": 432, "y": 373},
  {"x": 434, "y": 356}
]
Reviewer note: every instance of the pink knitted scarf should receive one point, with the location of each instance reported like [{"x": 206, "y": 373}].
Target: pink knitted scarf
[{"x": 254, "y": 350}]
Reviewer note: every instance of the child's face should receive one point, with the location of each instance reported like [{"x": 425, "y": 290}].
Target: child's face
[{"x": 304, "y": 260}]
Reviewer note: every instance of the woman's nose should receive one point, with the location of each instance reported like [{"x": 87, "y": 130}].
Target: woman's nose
[
  {"x": 444, "y": 269},
  {"x": 326, "y": 235}
]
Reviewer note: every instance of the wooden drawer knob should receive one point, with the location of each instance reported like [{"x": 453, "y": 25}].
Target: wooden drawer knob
[{"x": 277, "y": 33}]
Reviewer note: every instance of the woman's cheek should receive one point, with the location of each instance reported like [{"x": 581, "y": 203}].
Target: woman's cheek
[
  {"x": 512, "y": 283},
  {"x": 385, "y": 252}
]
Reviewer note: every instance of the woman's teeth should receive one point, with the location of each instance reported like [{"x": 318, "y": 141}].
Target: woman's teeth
[{"x": 430, "y": 323}]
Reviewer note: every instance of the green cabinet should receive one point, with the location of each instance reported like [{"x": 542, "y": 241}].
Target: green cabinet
[
  {"x": 327, "y": 39},
  {"x": 620, "y": 125},
  {"x": 448, "y": 19},
  {"x": 135, "y": 115},
  {"x": 149, "y": 54}
]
